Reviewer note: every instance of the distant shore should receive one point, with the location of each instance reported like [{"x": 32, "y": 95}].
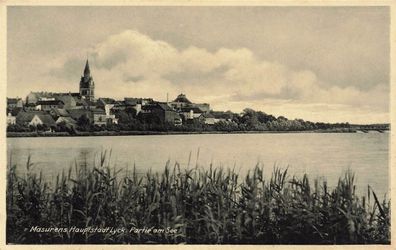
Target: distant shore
[{"x": 132, "y": 133}]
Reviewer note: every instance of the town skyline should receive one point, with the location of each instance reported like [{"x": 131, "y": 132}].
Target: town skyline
[{"x": 135, "y": 57}]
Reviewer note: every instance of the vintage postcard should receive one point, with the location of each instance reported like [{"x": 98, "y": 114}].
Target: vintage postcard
[{"x": 143, "y": 123}]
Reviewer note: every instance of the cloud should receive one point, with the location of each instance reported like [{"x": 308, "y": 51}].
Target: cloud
[{"x": 133, "y": 64}]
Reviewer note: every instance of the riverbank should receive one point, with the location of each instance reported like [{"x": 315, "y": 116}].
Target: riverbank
[{"x": 132, "y": 133}]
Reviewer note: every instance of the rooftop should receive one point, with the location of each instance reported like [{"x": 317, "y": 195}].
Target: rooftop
[{"x": 182, "y": 98}]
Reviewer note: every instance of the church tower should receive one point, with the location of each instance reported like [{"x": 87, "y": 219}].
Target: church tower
[{"x": 87, "y": 85}]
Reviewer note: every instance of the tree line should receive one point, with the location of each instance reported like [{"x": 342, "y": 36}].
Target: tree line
[{"x": 248, "y": 120}]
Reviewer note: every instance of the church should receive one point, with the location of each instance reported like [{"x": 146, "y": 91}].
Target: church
[{"x": 87, "y": 84}]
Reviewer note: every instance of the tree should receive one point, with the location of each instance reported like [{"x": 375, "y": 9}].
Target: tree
[
  {"x": 61, "y": 127},
  {"x": 249, "y": 117},
  {"x": 123, "y": 117},
  {"x": 83, "y": 123},
  {"x": 264, "y": 118}
]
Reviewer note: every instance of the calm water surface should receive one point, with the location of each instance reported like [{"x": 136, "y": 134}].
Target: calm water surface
[{"x": 326, "y": 156}]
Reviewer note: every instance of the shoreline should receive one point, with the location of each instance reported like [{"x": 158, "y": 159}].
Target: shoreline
[{"x": 140, "y": 133}]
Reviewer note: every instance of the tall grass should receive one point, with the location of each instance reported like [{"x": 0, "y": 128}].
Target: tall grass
[{"x": 213, "y": 206}]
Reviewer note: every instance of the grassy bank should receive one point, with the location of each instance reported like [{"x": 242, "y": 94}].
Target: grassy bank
[{"x": 196, "y": 206}]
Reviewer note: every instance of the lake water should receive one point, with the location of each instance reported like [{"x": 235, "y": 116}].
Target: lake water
[{"x": 319, "y": 155}]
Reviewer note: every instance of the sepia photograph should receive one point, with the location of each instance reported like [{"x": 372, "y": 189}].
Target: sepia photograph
[{"x": 198, "y": 125}]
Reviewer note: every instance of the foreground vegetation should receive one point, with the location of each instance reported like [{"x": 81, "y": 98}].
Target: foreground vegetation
[{"x": 194, "y": 206}]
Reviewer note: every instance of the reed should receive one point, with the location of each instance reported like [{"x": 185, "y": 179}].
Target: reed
[{"x": 213, "y": 206}]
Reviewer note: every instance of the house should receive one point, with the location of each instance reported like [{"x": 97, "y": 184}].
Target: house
[
  {"x": 133, "y": 103},
  {"x": 47, "y": 105},
  {"x": 103, "y": 117},
  {"x": 34, "y": 97},
  {"x": 221, "y": 116},
  {"x": 14, "y": 111},
  {"x": 76, "y": 114},
  {"x": 14, "y": 103},
  {"x": 146, "y": 101},
  {"x": 69, "y": 101},
  {"x": 11, "y": 120},
  {"x": 107, "y": 104},
  {"x": 91, "y": 104},
  {"x": 103, "y": 101},
  {"x": 137, "y": 103},
  {"x": 68, "y": 121},
  {"x": 208, "y": 119},
  {"x": 80, "y": 103},
  {"x": 119, "y": 105},
  {"x": 30, "y": 107},
  {"x": 57, "y": 112},
  {"x": 182, "y": 101},
  {"x": 130, "y": 102},
  {"x": 35, "y": 119},
  {"x": 190, "y": 113},
  {"x": 99, "y": 117},
  {"x": 160, "y": 112}
]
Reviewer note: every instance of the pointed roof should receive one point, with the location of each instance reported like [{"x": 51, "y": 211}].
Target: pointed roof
[
  {"x": 25, "y": 117},
  {"x": 87, "y": 71}
]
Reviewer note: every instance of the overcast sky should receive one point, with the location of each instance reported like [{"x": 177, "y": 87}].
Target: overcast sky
[{"x": 316, "y": 63}]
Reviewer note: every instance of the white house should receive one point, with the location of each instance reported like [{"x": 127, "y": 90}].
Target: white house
[{"x": 11, "y": 120}]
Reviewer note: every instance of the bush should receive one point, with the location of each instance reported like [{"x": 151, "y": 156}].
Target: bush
[{"x": 213, "y": 206}]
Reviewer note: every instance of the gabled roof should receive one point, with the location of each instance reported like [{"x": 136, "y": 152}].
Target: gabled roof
[
  {"x": 60, "y": 112},
  {"x": 46, "y": 119},
  {"x": 165, "y": 106},
  {"x": 26, "y": 117},
  {"x": 68, "y": 120}
]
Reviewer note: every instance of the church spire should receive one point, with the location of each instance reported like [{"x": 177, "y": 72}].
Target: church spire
[
  {"x": 87, "y": 71},
  {"x": 87, "y": 85}
]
